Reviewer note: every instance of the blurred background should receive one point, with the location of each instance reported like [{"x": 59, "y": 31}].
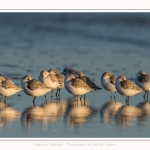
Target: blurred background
[{"x": 91, "y": 42}]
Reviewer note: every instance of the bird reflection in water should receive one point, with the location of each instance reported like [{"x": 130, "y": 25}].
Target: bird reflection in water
[
  {"x": 78, "y": 113},
  {"x": 127, "y": 115},
  {"x": 7, "y": 114},
  {"x": 55, "y": 109},
  {"x": 109, "y": 110},
  {"x": 50, "y": 111},
  {"x": 33, "y": 115},
  {"x": 145, "y": 116}
]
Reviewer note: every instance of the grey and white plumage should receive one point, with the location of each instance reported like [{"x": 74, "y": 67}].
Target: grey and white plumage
[
  {"x": 82, "y": 76},
  {"x": 8, "y": 88},
  {"x": 76, "y": 86},
  {"x": 33, "y": 87},
  {"x": 77, "y": 73},
  {"x": 126, "y": 87},
  {"x": 69, "y": 70},
  {"x": 2, "y": 78},
  {"x": 108, "y": 82},
  {"x": 142, "y": 80},
  {"x": 49, "y": 79},
  {"x": 87, "y": 80},
  {"x": 60, "y": 78}
]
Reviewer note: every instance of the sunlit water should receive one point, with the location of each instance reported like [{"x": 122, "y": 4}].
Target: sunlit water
[{"x": 91, "y": 42}]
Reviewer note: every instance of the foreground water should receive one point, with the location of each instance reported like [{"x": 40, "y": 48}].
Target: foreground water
[{"x": 91, "y": 42}]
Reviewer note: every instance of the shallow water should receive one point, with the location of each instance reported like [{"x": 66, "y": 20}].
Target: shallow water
[{"x": 91, "y": 42}]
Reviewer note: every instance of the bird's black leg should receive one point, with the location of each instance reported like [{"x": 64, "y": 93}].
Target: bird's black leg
[
  {"x": 51, "y": 94},
  {"x": 147, "y": 95},
  {"x": 77, "y": 98},
  {"x": 144, "y": 94},
  {"x": 33, "y": 101},
  {"x": 127, "y": 101},
  {"x": 84, "y": 99},
  {"x": 5, "y": 98},
  {"x": 80, "y": 97},
  {"x": 59, "y": 92},
  {"x": 114, "y": 94},
  {"x": 45, "y": 99},
  {"x": 56, "y": 94},
  {"x": 5, "y": 101},
  {"x": 111, "y": 96}
]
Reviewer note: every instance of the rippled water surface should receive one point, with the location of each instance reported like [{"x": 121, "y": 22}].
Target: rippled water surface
[{"x": 91, "y": 42}]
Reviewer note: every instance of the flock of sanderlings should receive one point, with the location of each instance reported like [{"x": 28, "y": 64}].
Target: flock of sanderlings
[{"x": 76, "y": 83}]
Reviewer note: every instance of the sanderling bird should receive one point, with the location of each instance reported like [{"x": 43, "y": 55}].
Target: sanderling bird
[
  {"x": 77, "y": 86},
  {"x": 8, "y": 88},
  {"x": 82, "y": 76},
  {"x": 2, "y": 78},
  {"x": 33, "y": 87},
  {"x": 77, "y": 73},
  {"x": 69, "y": 70},
  {"x": 89, "y": 82},
  {"x": 126, "y": 87},
  {"x": 60, "y": 78},
  {"x": 142, "y": 80},
  {"x": 50, "y": 80},
  {"x": 108, "y": 82},
  {"x": 85, "y": 78}
]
